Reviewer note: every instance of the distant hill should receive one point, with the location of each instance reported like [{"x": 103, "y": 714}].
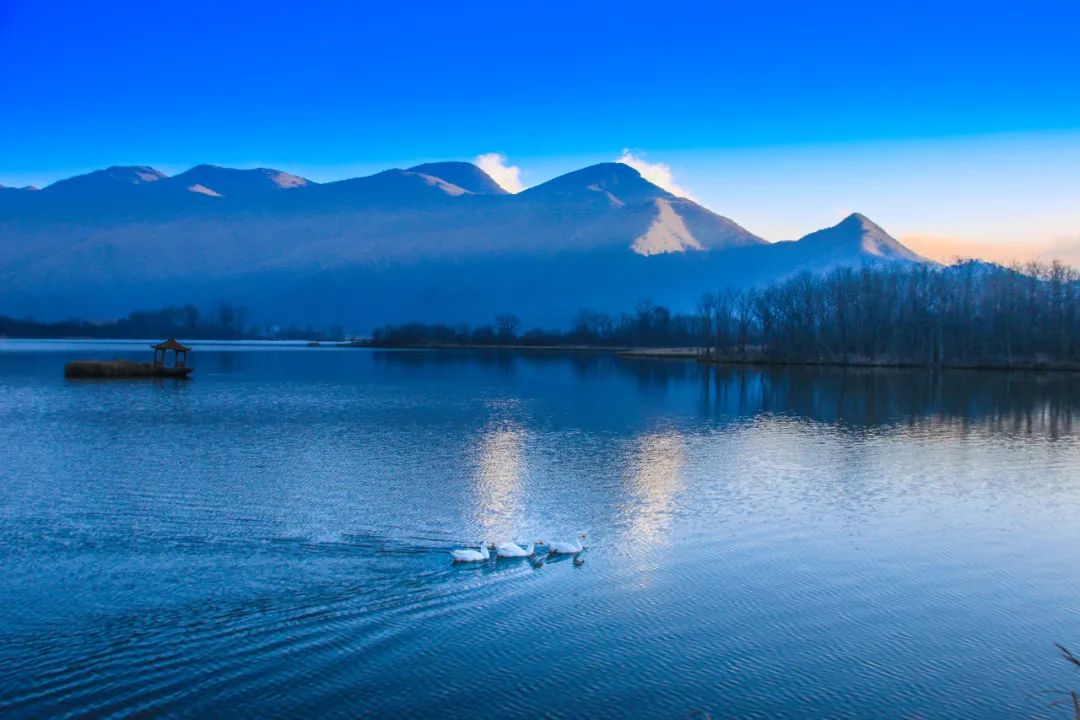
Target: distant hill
[
  {"x": 109, "y": 181},
  {"x": 440, "y": 241},
  {"x": 465, "y": 175},
  {"x": 855, "y": 236},
  {"x": 227, "y": 182}
]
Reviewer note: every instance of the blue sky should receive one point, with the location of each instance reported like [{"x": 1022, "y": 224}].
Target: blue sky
[{"x": 958, "y": 122}]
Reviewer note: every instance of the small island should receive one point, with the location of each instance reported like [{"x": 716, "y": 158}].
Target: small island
[{"x": 160, "y": 367}]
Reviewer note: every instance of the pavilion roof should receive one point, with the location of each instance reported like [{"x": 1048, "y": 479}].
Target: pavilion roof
[{"x": 171, "y": 344}]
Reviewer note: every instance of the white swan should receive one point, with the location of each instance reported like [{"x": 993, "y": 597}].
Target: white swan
[
  {"x": 513, "y": 550},
  {"x": 567, "y": 548},
  {"x": 466, "y": 556}
]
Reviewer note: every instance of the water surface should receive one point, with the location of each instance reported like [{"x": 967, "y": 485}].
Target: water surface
[{"x": 271, "y": 538}]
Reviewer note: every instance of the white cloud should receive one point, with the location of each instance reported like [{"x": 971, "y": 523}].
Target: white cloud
[
  {"x": 656, "y": 173},
  {"x": 495, "y": 165}
]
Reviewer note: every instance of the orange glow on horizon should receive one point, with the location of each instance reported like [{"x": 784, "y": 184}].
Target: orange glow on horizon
[{"x": 948, "y": 250}]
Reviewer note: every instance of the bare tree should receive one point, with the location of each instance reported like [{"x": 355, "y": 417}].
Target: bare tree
[{"x": 506, "y": 328}]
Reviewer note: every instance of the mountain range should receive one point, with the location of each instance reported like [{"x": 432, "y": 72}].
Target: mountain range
[{"x": 439, "y": 241}]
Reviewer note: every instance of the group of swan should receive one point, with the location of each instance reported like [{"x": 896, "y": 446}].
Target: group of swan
[{"x": 513, "y": 550}]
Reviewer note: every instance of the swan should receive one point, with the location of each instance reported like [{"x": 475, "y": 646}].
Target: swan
[
  {"x": 567, "y": 548},
  {"x": 513, "y": 550},
  {"x": 470, "y": 555}
]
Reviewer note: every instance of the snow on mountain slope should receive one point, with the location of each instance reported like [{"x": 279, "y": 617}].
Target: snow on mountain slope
[
  {"x": 667, "y": 233},
  {"x": 673, "y": 224},
  {"x": 203, "y": 190}
]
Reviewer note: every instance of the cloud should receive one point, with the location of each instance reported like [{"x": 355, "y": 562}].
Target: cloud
[
  {"x": 656, "y": 173},
  {"x": 495, "y": 165}
]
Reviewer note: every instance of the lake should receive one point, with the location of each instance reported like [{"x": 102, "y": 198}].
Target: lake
[{"x": 272, "y": 538}]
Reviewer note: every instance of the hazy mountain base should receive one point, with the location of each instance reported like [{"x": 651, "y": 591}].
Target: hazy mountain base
[{"x": 542, "y": 289}]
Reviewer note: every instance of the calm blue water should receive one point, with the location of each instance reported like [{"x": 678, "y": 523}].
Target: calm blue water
[{"x": 271, "y": 538}]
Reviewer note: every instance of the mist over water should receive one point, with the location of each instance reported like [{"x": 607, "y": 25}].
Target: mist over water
[{"x": 272, "y": 537}]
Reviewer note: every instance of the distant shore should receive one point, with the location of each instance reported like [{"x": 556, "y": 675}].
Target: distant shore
[
  {"x": 889, "y": 364},
  {"x": 685, "y": 353},
  {"x": 655, "y": 353},
  {"x": 669, "y": 353}
]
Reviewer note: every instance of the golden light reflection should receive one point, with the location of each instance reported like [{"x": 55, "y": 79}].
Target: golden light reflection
[
  {"x": 498, "y": 482},
  {"x": 654, "y": 484}
]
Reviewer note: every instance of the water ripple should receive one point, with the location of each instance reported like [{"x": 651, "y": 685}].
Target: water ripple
[{"x": 761, "y": 543}]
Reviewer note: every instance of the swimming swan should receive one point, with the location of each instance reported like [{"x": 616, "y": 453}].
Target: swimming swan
[
  {"x": 565, "y": 548},
  {"x": 513, "y": 550},
  {"x": 464, "y": 556}
]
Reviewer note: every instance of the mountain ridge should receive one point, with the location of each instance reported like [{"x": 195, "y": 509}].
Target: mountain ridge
[
  {"x": 227, "y": 182},
  {"x": 464, "y": 175},
  {"x": 107, "y": 241},
  {"x": 110, "y": 178}
]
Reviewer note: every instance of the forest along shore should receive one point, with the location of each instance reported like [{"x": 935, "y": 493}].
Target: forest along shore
[
  {"x": 706, "y": 357},
  {"x": 968, "y": 315}
]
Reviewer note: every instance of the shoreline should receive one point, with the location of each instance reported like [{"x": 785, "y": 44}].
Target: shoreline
[
  {"x": 675, "y": 353},
  {"x": 651, "y": 353},
  {"x": 893, "y": 365}
]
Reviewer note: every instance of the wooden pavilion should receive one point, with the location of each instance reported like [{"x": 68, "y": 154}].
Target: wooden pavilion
[{"x": 179, "y": 365}]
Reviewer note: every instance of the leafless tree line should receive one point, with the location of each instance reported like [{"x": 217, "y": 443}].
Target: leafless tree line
[
  {"x": 226, "y": 321},
  {"x": 967, "y": 314}
]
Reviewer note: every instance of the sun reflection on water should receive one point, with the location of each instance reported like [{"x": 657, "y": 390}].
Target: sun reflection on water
[
  {"x": 498, "y": 481},
  {"x": 653, "y": 485}
]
